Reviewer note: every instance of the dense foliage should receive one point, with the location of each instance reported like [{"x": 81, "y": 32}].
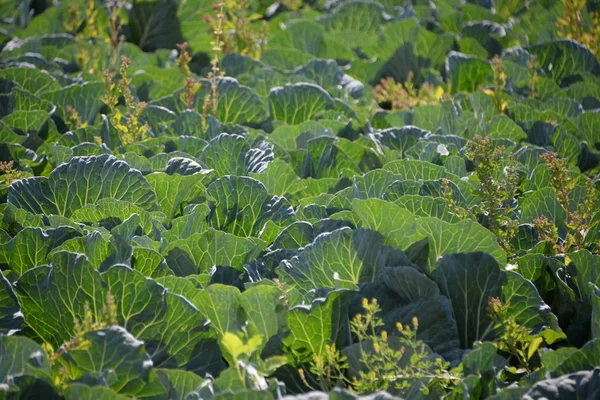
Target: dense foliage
[{"x": 256, "y": 200}]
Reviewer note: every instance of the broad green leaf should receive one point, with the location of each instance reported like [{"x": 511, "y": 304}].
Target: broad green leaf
[
  {"x": 361, "y": 151},
  {"x": 114, "y": 358},
  {"x": 154, "y": 25},
  {"x": 33, "y": 80},
  {"x": 241, "y": 158},
  {"x": 264, "y": 308},
  {"x": 140, "y": 301},
  {"x": 397, "y": 190},
  {"x": 27, "y": 121},
  {"x": 241, "y": 206},
  {"x": 585, "y": 358},
  {"x": 304, "y": 36},
  {"x": 294, "y": 236},
  {"x": 11, "y": 318},
  {"x": 159, "y": 119},
  {"x": 94, "y": 245},
  {"x": 297, "y": 103},
  {"x": 168, "y": 321},
  {"x": 174, "y": 191},
  {"x": 152, "y": 82},
  {"x": 469, "y": 280},
  {"x": 79, "y": 136},
  {"x": 235, "y": 104},
  {"x": 564, "y": 58},
  {"x": 502, "y": 127},
  {"x": 404, "y": 47},
  {"x": 312, "y": 327},
  {"x": 149, "y": 262},
  {"x": 262, "y": 80},
  {"x": 189, "y": 123},
  {"x": 202, "y": 251},
  {"x": 425, "y": 206},
  {"x": 187, "y": 142},
  {"x": 415, "y": 170},
  {"x": 26, "y": 101},
  {"x": 400, "y": 139},
  {"x": 231, "y": 384},
  {"x": 330, "y": 77},
  {"x": 372, "y": 184},
  {"x": 327, "y": 157},
  {"x": 194, "y": 221},
  {"x": 220, "y": 305},
  {"x": 30, "y": 247},
  {"x": 234, "y": 146},
  {"x": 590, "y": 125},
  {"x": 181, "y": 340},
  {"x": 462, "y": 237},
  {"x": 179, "y": 384},
  {"x": 295, "y": 137},
  {"x": 587, "y": 92},
  {"x": 8, "y": 135},
  {"x": 183, "y": 286},
  {"x": 340, "y": 259},
  {"x": 236, "y": 64},
  {"x": 552, "y": 359},
  {"x": 543, "y": 202},
  {"x": 279, "y": 178},
  {"x": 43, "y": 44},
  {"x": 398, "y": 225},
  {"x": 85, "y": 99},
  {"x": 73, "y": 185},
  {"x": 110, "y": 212},
  {"x": 79, "y": 391},
  {"x": 238, "y": 104},
  {"x": 595, "y": 300},
  {"x": 584, "y": 268},
  {"x": 483, "y": 31},
  {"x": 360, "y": 17},
  {"x": 15, "y": 219},
  {"x": 578, "y": 384},
  {"x": 466, "y": 73},
  {"x": 407, "y": 283},
  {"x": 471, "y": 47},
  {"x": 403, "y": 293},
  {"x": 480, "y": 359},
  {"x": 285, "y": 58},
  {"x": 22, "y": 356},
  {"x": 184, "y": 166},
  {"x": 188, "y": 14},
  {"x": 53, "y": 296}
]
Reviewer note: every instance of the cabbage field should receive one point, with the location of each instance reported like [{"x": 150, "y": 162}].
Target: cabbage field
[{"x": 302, "y": 199}]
